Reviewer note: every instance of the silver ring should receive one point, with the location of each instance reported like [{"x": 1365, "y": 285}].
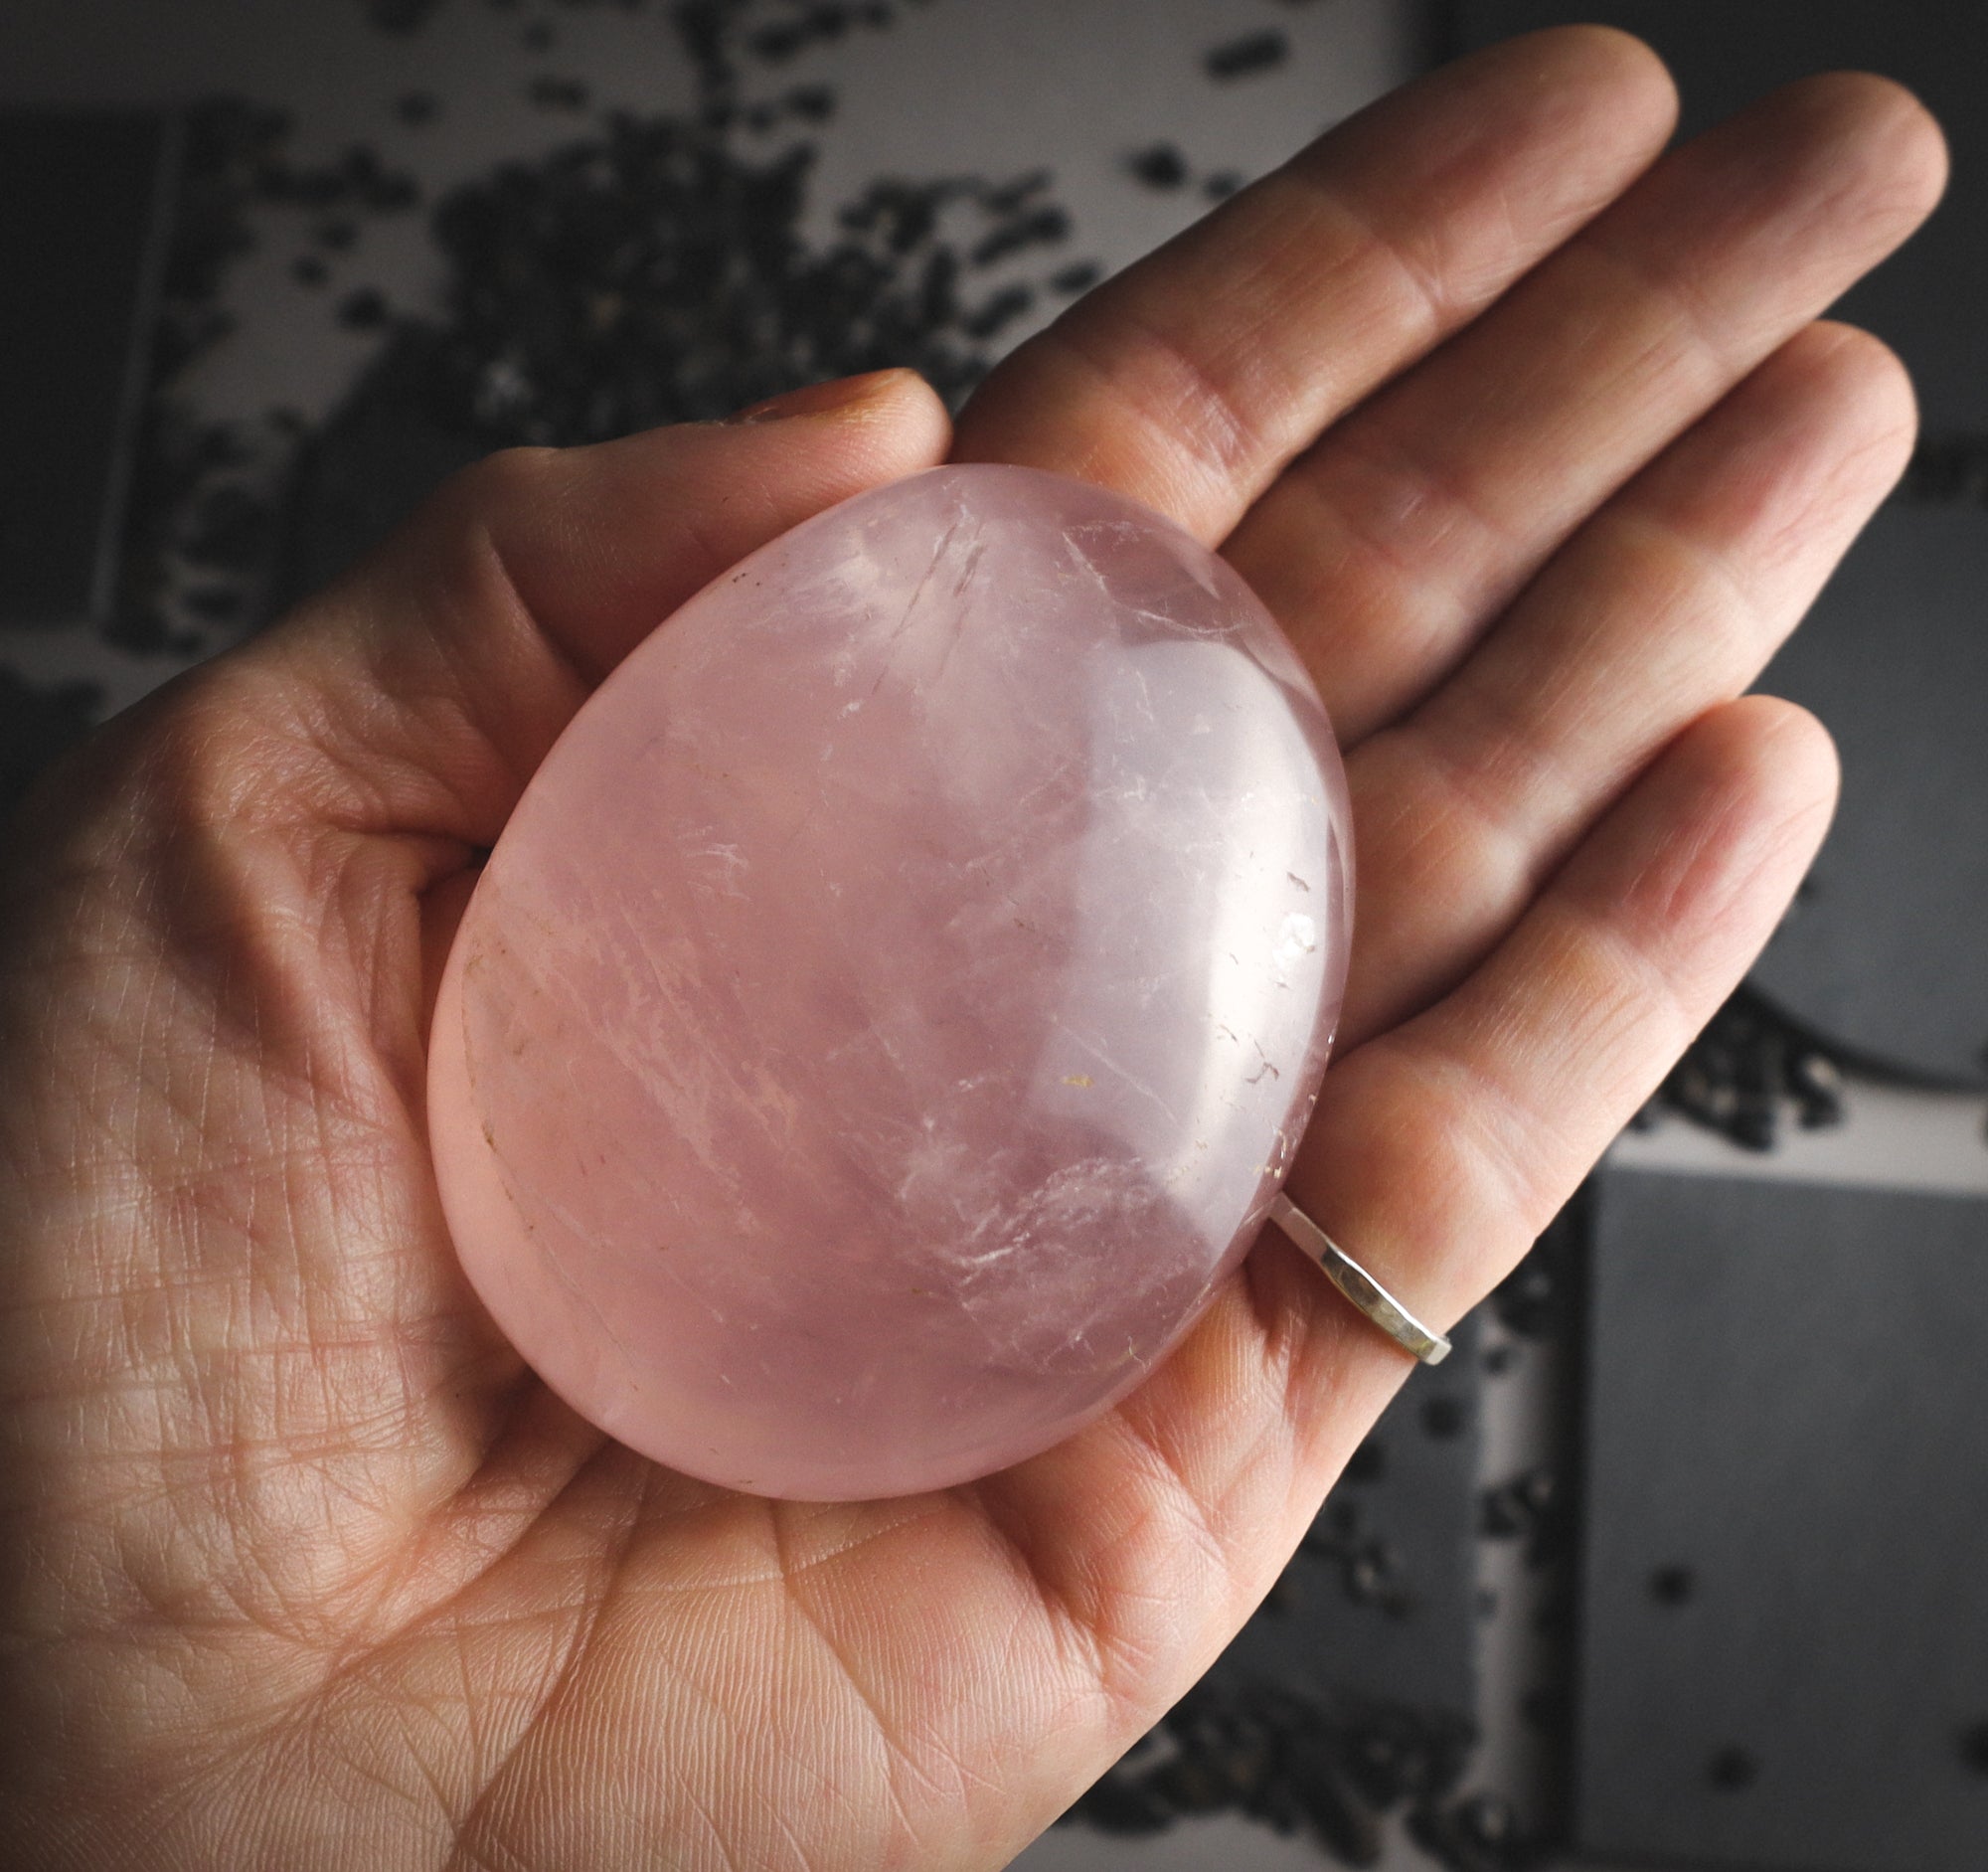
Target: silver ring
[{"x": 1359, "y": 1286}]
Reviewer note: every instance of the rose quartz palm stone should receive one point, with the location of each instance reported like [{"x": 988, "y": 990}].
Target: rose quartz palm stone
[{"x": 895, "y": 1000}]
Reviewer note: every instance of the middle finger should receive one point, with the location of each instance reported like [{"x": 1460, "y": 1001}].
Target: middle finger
[
  {"x": 1386, "y": 549},
  {"x": 1665, "y": 605}
]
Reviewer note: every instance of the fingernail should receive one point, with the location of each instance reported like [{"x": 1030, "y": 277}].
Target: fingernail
[{"x": 818, "y": 398}]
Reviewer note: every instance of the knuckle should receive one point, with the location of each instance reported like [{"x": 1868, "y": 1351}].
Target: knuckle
[
  {"x": 509, "y": 481},
  {"x": 217, "y": 748}
]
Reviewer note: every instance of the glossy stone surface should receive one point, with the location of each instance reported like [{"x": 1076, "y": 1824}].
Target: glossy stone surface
[{"x": 896, "y": 998}]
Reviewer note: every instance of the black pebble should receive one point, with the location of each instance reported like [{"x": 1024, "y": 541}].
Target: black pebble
[
  {"x": 1673, "y": 1586},
  {"x": 416, "y": 109},
  {"x": 217, "y": 603},
  {"x": 1947, "y": 469},
  {"x": 1732, "y": 1768},
  {"x": 1158, "y": 166},
  {"x": 1527, "y": 1299},
  {"x": 228, "y": 528},
  {"x": 1526, "y": 1507},
  {"x": 538, "y": 37},
  {"x": 391, "y": 193},
  {"x": 308, "y": 270},
  {"x": 1078, "y": 279},
  {"x": 1974, "y": 1746},
  {"x": 399, "y": 16},
  {"x": 1042, "y": 227},
  {"x": 1545, "y": 1709},
  {"x": 1367, "y": 1464},
  {"x": 1748, "y": 1060},
  {"x": 1444, "y": 1418},
  {"x": 812, "y": 103},
  {"x": 1255, "y": 52},
  {"x": 559, "y": 94},
  {"x": 1002, "y": 308},
  {"x": 364, "y": 310}
]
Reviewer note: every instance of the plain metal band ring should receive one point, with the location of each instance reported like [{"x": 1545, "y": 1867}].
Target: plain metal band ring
[{"x": 1359, "y": 1286}]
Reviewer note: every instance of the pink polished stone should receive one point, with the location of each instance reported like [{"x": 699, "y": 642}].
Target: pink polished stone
[{"x": 895, "y": 1000}]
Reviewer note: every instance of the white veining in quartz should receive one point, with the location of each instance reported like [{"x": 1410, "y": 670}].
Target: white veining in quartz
[{"x": 897, "y": 997}]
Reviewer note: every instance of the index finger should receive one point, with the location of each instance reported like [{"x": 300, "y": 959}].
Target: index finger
[{"x": 1192, "y": 377}]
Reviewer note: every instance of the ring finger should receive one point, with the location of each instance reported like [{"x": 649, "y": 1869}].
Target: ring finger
[{"x": 1668, "y": 602}]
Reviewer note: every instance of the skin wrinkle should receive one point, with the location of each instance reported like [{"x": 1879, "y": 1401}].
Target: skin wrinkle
[
  {"x": 1401, "y": 527},
  {"x": 445, "y": 1563},
  {"x": 1436, "y": 302},
  {"x": 1225, "y": 1472},
  {"x": 1193, "y": 1519},
  {"x": 1138, "y": 1645},
  {"x": 1296, "y": 609},
  {"x": 1701, "y": 891},
  {"x": 1059, "y": 1603},
  {"x": 448, "y": 1613},
  {"x": 1500, "y": 1164},
  {"x": 523, "y": 621},
  {"x": 895, "y": 1742},
  {"x": 567, "y": 1671},
  {"x": 1542, "y": 818},
  {"x": 1178, "y": 405}
]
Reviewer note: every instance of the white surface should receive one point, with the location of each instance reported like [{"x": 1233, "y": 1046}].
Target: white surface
[{"x": 1892, "y": 1138}]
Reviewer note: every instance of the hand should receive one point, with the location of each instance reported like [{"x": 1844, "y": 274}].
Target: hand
[{"x": 1535, "y": 451}]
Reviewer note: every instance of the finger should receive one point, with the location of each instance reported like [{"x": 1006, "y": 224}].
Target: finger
[
  {"x": 1447, "y": 1144},
  {"x": 1442, "y": 1149},
  {"x": 1190, "y": 380},
  {"x": 1672, "y": 599},
  {"x": 418, "y": 694},
  {"x": 1388, "y": 549}
]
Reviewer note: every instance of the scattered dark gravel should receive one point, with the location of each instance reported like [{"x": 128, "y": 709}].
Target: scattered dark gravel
[
  {"x": 1297, "y": 1765},
  {"x": 1367, "y": 1565},
  {"x": 652, "y": 272},
  {"x": 1750, "y": 1069}
]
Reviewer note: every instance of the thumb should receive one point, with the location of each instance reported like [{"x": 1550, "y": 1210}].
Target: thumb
[{"x": 418, "y": 694}]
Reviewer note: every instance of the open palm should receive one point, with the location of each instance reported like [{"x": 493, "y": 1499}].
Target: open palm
[{"x": 1527, "y": 438}]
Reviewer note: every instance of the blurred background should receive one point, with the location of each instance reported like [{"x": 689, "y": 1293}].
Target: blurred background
[{"x": 1681, "y": 1561}]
